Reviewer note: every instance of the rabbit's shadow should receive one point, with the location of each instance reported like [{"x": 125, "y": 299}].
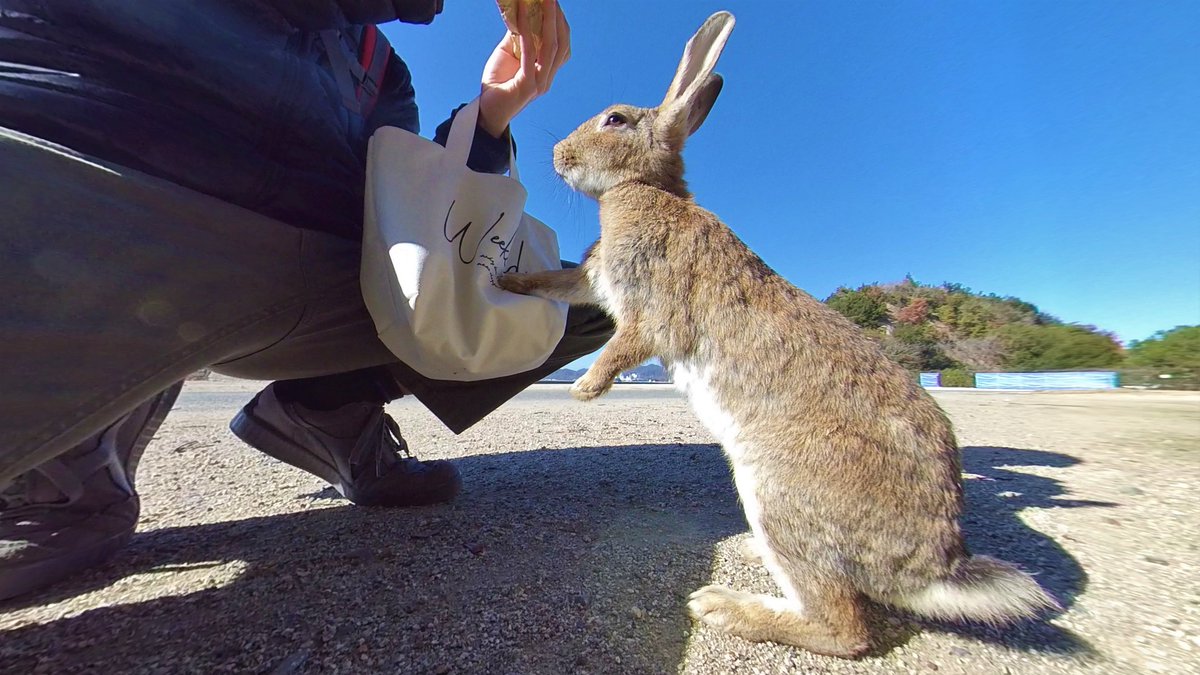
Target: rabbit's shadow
[{"x": 996, "y": 492}]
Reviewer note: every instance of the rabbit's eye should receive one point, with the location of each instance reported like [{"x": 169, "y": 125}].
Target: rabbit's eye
[{"x": 616, "y": 120}]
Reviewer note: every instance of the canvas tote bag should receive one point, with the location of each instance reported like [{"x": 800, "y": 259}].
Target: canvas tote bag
[{"x": 435, "y": 237}]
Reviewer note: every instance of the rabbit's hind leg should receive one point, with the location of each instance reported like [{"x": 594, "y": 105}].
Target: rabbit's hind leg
[
  {"x": 750, "y": 550},
  {"x": 830, "y": 621}
]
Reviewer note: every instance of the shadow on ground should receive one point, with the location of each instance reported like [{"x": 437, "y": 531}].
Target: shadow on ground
[
  {"x": 996, "y": 493},
  {"x": 552, "y": 561}
]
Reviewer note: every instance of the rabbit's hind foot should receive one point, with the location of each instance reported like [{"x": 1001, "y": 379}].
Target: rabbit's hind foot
[
  {"x": 763, "y": 618},
  {"x": 750, "y": 550}
]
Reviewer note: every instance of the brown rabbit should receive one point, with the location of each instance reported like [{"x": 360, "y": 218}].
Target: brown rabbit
[{"x": 848, "y": 471}]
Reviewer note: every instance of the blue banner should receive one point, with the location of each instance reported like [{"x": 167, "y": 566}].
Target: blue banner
[{"x": 1043, "y": 381}]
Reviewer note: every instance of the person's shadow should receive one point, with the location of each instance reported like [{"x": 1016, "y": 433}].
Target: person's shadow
[{"x": 553, "y": 561}]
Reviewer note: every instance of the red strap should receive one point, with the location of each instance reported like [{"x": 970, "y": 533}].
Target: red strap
[
  {"x": 366, "y": 50},
  {"x": 374, "y": 55}
]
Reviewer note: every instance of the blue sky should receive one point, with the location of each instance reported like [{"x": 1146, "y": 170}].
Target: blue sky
[{"x": 1047, "y": 150}]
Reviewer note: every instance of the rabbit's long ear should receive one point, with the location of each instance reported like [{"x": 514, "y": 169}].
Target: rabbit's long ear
[{"x": 695, "y": 87}]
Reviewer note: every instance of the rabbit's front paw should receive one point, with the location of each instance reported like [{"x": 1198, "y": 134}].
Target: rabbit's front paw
[
  {"x": 515, "y": 282},
  {"x": 589, "y": 387}
]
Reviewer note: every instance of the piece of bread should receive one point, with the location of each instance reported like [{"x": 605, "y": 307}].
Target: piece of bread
[{"x": 508, "y": 11}]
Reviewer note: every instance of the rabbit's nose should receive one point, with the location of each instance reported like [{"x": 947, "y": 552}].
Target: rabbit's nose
[{"x": 564, "y": 157}]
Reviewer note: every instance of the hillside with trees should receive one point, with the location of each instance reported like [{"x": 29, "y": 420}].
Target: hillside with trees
[
  {"x": 1175, "y": 348},
  {"x": 950, "y": 328},
  {"x": 953, "y": 330},
  {"x": 1169, "y": 359}
]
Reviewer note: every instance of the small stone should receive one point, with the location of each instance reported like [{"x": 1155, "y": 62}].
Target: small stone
[
  {"x": 1156, "y": 560},
  {"x": 1132, "y": 491},
  {"x": 442, "y": 669},
  {"x": 292, "y": 663},
  {"x": 638, "y": 613},
  {"x": 959, "y": 652}
]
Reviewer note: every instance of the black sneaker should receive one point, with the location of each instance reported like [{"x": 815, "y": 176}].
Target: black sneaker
[
  {"x": 357, "y": 449},
  {"x": 76, "y": 510}
]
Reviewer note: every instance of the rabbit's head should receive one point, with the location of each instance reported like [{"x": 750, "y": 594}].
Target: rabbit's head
[{"x": 629, "y": 144}]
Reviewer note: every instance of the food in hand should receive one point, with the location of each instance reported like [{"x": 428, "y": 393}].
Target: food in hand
[{"x": 533, "y": 12}]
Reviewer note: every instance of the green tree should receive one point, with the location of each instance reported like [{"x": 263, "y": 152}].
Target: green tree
[
  {"x": 974, "y": 317},
  {"x": 863, "y": 307},
  {"x": 947, "y": 311},
  {"x": 1175, "y": 348},
  {"x": 914, "y": 334},
  {"x": 1038, "y": 347}
]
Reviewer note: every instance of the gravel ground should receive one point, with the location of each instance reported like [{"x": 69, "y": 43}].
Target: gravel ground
[{"x": 582, "y": 530}]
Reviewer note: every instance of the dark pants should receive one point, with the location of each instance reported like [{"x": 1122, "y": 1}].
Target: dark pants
[{"x": 117, "y": 285}]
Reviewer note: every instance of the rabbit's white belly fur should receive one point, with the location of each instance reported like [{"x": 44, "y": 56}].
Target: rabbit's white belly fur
[
  {"x": 694, "y": 382},
  {"x": 604, "y": 288}
]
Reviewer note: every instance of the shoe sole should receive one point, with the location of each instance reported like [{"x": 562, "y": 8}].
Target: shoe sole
[
  {"x": 22, "y": 579},
  {"x": 266, "y": 439}
]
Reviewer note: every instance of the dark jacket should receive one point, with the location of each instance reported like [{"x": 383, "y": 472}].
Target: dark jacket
[{"x": 233, "y": 98}]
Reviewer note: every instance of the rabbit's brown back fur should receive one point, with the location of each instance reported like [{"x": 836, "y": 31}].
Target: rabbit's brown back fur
[{"x": 848, "y": 471}]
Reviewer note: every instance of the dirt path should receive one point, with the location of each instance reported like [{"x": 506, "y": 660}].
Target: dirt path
[{"x": 582, "y": 530}]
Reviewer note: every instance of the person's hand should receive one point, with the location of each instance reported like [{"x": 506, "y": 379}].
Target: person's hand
[{"x": 511, "y": 83}]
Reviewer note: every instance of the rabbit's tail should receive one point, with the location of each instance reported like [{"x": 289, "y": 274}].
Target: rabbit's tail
[{"x": 983, "y": 589}]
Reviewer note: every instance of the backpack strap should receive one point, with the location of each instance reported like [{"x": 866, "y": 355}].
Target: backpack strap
[
  {"x": 374, "y": 54},
  {"x": 359, "y": 79}
]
